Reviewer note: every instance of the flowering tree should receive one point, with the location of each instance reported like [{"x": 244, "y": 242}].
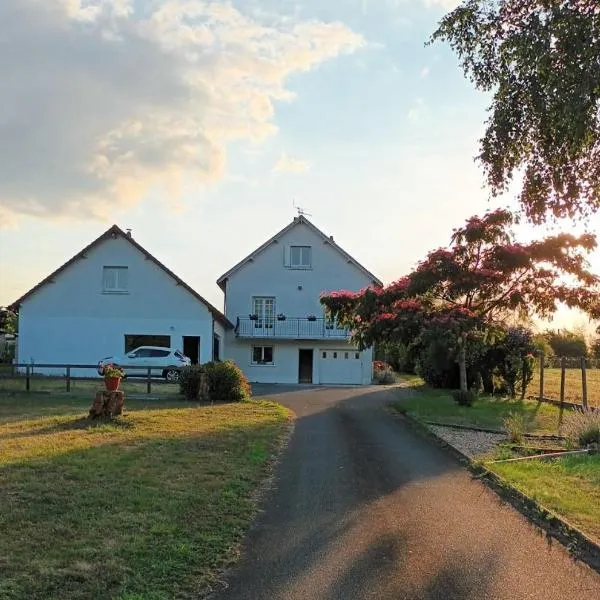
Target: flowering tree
[{"x": 466, "y": 290}]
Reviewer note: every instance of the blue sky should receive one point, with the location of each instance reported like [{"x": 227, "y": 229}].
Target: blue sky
[{"x": 198, "y": 124}]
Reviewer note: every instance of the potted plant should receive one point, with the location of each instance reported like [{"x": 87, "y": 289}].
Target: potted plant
[
  {"x": 281, "y": 317},
  {"x": 112, "y": 377},
  {"x": 312, "y": 318}
]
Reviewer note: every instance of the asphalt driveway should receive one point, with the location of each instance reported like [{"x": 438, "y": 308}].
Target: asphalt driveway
[{"x": 365, "y": 508}]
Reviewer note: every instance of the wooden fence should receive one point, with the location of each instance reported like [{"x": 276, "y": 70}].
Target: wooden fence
[
  {"x": 61, "y": 378},
  {"x": 567, "y": 379}
]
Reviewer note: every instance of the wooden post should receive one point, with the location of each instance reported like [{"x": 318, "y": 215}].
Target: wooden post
[
  {"x": 27, "y": 380},
  {"x": 584, "y": 394},
  {"x": 563, "y": 376},
  {"x": 149, "y": 381},
  {"x": 542, "y": 370},
  {"x": 68, "y": 379}
]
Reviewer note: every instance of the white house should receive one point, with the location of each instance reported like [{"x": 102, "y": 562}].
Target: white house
[
  {"x": 111, "y": 297},
  {"x": 272, "y": 296}
]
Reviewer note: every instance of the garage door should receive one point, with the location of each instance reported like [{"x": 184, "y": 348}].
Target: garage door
[{"x": 340, "y": 367}]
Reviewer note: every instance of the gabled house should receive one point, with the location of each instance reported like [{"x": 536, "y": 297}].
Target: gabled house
[
  {"x": 272, "y": 296},
  {"x": 110, "y": 298}
]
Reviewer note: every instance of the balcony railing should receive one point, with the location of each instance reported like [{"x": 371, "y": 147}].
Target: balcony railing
[{"x": 296, "y": 328}]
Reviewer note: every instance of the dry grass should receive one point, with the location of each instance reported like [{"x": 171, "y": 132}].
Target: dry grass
[
  {"x": 573, "y": 385},
  {"x": 147, "y": 506}
]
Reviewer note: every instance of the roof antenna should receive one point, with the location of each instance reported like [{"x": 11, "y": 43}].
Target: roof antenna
[{"x": 301, "y": 211}]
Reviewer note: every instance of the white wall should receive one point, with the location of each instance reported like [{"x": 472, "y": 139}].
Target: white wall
[
  {"x": 73, "y": 321},
  {"x": 267, "y": 276},
  {"x": 285, "y": 354}
]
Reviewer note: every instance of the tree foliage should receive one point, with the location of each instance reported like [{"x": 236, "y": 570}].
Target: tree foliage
[
  {"x": 459, "y": 295},
  {"x": 541, "y": 61},
  {"x": 567, "y": 343}
]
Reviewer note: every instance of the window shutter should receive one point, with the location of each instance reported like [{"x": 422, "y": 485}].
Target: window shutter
[{"x": 286, "y": 256}]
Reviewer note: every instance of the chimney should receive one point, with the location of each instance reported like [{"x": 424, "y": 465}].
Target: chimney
[{"x": 128, "y": 231}]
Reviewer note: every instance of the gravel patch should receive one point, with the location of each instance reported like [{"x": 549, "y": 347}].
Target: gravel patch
[{"x": 472, "y": 443}]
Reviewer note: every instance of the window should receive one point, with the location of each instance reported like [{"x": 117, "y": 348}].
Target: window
[
  {"x": 159, "y": 353},
  {"x": 300, "y": 257},
  {"x": 335, "y": 355},
  {"x": 264, "y": 309},
  {"x": 216, "y": 348},
  {"x": 357, "y": 355},
  {"x": 324, "y": 354},
  {"x": 115, "y": 280},
  {"x": 346, "y": 355},
  {"x": 262, "y": 355},
  {"x": 135, "y": 341}
]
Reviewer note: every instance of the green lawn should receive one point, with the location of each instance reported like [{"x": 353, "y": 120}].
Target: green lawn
[
  {"x": 437, "y": 405},
  {"x": 569, "y": 486},
  {"x": 147, "y": 507}
]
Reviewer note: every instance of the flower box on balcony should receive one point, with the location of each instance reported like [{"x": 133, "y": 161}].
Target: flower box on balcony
[
  {"x": 312, "y": 318},
  {"x": 281, "y": 317}
]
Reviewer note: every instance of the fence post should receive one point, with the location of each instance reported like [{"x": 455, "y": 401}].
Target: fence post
[
  {"x": 563, "y": 375},
  {"x": 542, "y": 369},
  {"x": 27, "y": 380},
  {"x": 584, "y": 383},
  {"x": 149, "y": 382},
  {"x": 68, "y": 379}
]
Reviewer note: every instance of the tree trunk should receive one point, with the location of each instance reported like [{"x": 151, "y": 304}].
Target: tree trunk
[{"x": 462, "y": 365}]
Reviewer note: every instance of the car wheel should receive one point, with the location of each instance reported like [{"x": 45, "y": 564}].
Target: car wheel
[{"x": 172, "y": 375}]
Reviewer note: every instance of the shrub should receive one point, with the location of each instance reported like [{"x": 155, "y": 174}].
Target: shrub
[
  {"x": 464, "y": 398},
  {"x": 384, "y": 376},
  {"x": 582, "y": 428},
  {"x": 515, "y": 427},
  {"x": 226, "y": 382},
  {"x": 190, "y": 381}
]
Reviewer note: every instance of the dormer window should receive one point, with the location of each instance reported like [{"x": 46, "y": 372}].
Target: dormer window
[
  {"x": 115, "y": 280},
  {"x": 300, "y": 257}
]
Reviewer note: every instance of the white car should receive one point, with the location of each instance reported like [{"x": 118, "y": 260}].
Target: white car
[{"x": 165, "y": 362}]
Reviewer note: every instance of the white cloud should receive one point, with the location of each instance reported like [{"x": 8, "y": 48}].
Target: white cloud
[
  {"x": 424, "y": 72},
  {"x": 289, "y": 164},
  {"x": 102, "y": 104}
]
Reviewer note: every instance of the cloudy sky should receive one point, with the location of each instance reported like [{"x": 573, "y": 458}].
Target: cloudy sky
[{"x": 199, "y": 123}]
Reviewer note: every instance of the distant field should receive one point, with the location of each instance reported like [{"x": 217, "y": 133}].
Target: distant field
[{"x": 573, "y": 387}]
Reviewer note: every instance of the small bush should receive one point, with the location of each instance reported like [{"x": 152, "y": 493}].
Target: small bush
[
  {"x": 464, "y": 398},
  {"x": 515, "y": 427},
  {"x": 190, "y": 381},
  {"x": 226, "y": 382},
  {"x": 582, "y": 428},
  {"x": 384, "y": 376}
]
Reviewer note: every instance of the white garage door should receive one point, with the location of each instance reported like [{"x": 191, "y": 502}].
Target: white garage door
[{"x": 340, "y": 367}]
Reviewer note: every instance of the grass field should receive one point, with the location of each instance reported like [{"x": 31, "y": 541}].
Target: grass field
[
  {"x": 573, "y": 386},
  {"x": 144, "y": 508},
  {"x": 438, "y": 405},
  {"x": 569, "y": 486}
]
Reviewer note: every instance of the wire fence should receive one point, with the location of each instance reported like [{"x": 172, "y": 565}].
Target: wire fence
[
  {"x": 80, "y": 380},
  {"x": 567, "y": 379}
]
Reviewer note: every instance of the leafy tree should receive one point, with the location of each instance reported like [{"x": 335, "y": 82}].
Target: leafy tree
[
  {"x": 567, "y": 343},
  {"x": 8, "y": 320},
  {"x": 541, "y": 61},
  {"x": 595, "y": 348},
  {"x": 460, "y": 294}
]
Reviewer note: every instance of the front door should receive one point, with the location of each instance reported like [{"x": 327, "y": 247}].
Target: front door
[
  {"x": 191, "y": 348},
  {"x": 305, "y": 366}
]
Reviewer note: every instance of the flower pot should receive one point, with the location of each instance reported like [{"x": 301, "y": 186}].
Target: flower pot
[{"x": 112, "y": 383}]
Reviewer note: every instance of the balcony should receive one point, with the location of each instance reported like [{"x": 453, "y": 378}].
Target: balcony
[{"x": 292, "y": 328}]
